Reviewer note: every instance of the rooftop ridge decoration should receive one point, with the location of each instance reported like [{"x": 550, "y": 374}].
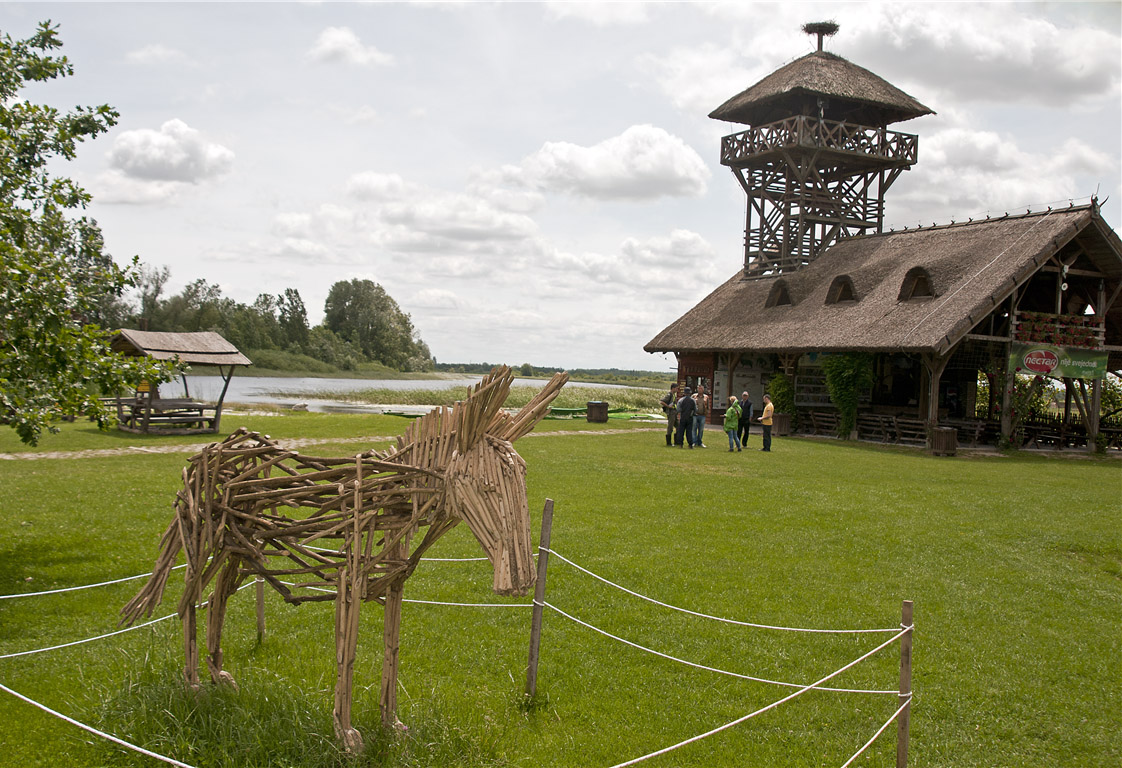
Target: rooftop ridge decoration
[
  {"x": 249, "y": 507},
  {"x": 971, "y": 221}
]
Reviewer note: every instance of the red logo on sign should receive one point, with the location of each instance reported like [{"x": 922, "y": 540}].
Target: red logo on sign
[{"x": 1041, "y": 361}]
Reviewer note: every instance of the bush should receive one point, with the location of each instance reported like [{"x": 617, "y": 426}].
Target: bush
[{"x": 847, "y": 376}]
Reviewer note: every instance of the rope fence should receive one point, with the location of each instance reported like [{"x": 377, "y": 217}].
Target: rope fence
[
  {"x": 564, "y": 559},
  {"x": 901, "y": 635}
]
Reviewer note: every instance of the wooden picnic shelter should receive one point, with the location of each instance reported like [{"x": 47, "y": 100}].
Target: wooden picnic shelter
[
  {"x": 146, "y": 411},
  {"x": 1036, "y": 292}
]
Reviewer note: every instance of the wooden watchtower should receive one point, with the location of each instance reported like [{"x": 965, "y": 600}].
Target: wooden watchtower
[{"x": 817, "y": 157}]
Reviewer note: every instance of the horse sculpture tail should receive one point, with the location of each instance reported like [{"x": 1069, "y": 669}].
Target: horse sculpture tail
[{"x": 152, "y": 592}]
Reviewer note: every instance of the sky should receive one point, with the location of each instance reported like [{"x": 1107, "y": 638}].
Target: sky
[{"x": 538, "y": 182}]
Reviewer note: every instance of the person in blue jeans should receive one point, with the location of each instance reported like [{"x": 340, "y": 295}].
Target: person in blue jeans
[
  {"x": 732, "y": 423},
  {"x": 701, "y": 416}
]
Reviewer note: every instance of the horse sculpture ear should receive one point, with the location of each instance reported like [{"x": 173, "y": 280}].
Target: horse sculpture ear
[
  {"x": 510, "y": 428},
  {"x": 474, "y": 415}
]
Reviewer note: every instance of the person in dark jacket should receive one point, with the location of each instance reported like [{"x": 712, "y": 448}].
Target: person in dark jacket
[
  {"x": 670, "y": 408},
  {"x": 686, "y": 408},
  {"x": 746, "y": 414}
]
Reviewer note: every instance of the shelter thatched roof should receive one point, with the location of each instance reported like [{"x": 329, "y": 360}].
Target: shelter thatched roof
[
  {"x": 972, "y": 268},
  {"x": 202, "y": 348},
  {"x": 855, "y": 95}
]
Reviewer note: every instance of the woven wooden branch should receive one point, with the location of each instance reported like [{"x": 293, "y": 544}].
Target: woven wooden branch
[{"x": 251, "y": 508}]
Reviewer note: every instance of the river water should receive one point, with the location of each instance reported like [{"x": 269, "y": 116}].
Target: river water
[{"x": 304, "y": 391}]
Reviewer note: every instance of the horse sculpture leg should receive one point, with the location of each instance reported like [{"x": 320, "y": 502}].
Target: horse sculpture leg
[
  {"x": 190, "y": 649},
  {"x": 347, "y": 602},
  {"x": 391, "y": 636},
  {"x": 224, "y": 586}
]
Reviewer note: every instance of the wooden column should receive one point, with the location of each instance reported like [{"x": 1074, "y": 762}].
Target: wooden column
[
  {"x": 539, "y": 599},
  {"x": 934, "y": 365},
  {"x": 904, "y": 720}
]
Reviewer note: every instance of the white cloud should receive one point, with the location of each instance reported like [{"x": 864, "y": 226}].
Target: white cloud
[
  {"x": 654, "y": 266},
  {"x": 600, "y": 14},
  {"x": 175, "y": 153},
  {"x": 968, "y": 173},
  {"x": 642, "y": 163},
  {"x": 341, "y": 44},
  {"x": 369, "y": 185},
  {"x": 699, "y": 79},
  {"x": 156, "y": 53},
  {"x": 982, "y": 52},
  {"x": 360, "y": 115},
  {"x": 435, "y": 298}
]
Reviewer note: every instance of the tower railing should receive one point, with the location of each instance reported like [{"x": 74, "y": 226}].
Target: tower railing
[{"x": 889, "y": 148}]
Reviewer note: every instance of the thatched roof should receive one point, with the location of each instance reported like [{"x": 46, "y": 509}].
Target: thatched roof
[
  {"x": 854, "y": 93},
  {"x": 972, "y": 268},
  {"x": 202, "y": 348}
]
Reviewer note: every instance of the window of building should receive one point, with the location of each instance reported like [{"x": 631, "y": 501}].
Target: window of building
[
  {"x": 779, "y": 295},
  {"x": 841, "y": 290},
  {"x": 917, "y": 285}
]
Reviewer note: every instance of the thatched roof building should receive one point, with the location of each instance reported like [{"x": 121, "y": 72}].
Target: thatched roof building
[
  {"x": 935, "y": 307},
  {"x": 851, "y": 93},
  {"x": 861, "y": 294}
]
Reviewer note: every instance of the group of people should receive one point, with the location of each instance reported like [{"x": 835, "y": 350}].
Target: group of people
[{"x": 686, "y": 416}]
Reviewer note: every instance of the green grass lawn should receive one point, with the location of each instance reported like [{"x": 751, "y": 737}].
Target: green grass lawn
[{"x": 1014, "y": 564}]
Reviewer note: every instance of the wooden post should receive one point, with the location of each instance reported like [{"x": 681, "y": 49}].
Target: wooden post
[
  {"x": 260, "y": 608},
  {"x": 905, "y": 686},
  {"x": 539, "y": 599}
]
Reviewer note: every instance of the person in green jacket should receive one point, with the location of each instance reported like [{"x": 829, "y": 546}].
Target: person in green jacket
[{"x": 732, "y": 423}]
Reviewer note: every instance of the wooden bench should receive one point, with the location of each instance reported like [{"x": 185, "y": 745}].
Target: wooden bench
[
  {"x": 167, "y": 416},
  {"x": 820, "y": 422},
  {"x": 910, "y": 431},
  {"x": 875, "y": 426}
]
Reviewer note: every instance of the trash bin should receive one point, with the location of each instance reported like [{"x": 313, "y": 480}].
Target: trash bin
[
  {"x": 944, "y": 441},
  {"x": 780, "y": 424},
  {"x": 597, "y": 410}
]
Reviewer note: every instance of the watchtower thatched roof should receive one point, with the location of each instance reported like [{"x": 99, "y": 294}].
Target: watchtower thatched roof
[
  {"x": 971, "y": 268},
  {"x": 201, "y": 348},
  {"x": 854, "y": 94}
]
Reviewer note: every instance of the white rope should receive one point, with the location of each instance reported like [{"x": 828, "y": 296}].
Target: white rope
[
  {"x": 471, "y": 605},
  {"x": 88, "y": 639},
  {"x": 716, "y": 618},
  {"x": 204, "y": 604},
  {"x": 84, "y": 586},
  {"x": 773, "y": 705},
  {"x": 93, "y": 730},
  {"x": 702, "y": 666},
  {"x": 876, "y": 735}
]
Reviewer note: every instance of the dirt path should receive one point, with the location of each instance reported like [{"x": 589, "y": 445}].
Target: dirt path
[{"x": 191, "y": 448}]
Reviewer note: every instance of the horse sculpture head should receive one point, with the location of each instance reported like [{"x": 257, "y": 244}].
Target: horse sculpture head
[{"x": 485, "y": 478}]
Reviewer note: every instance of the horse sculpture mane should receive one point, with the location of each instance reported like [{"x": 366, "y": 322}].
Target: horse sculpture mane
[{"x": 342, "y": 529}]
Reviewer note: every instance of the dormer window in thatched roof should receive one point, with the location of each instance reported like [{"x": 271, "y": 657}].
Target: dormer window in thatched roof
[
  {"x": 917, "y": 285},
  {"x": 779, "y": 295},
  {"x": 841, "y": 290}
]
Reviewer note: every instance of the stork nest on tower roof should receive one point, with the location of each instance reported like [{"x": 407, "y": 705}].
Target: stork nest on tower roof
[{"x": 825, "y": 28}]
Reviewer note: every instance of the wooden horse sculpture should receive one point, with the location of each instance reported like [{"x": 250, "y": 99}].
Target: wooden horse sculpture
[{"x": 343, "y": 529}]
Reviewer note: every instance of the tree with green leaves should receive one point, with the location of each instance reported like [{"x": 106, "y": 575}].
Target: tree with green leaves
[
  {"x": 848, "y": 376},
  {"x": 362, "y": 313},
  {"x": 54, "y": 276},
  {"x": 293, "y": 319}
]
